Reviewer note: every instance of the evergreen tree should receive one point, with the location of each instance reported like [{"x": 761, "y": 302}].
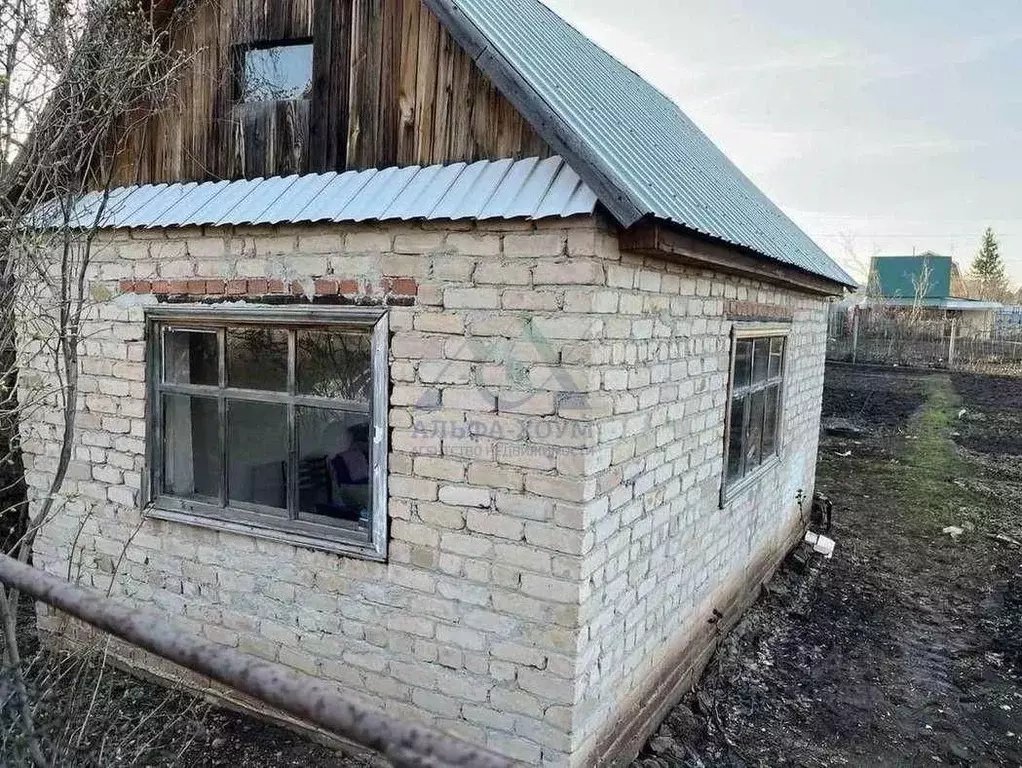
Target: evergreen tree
[{"x": 988, "y": 269}]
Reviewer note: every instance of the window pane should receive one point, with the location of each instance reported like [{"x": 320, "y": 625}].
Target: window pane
[
  {"x": 191, "y": 357},
  {"x": 734, "y": 449},
  {"x": 257, "y": 453},
  {"x": 761, "y": 360},
  {"x": 257, "y": 358},
  {"x": 334, "y": 469},
  {"x": 773, "y": 402},
  {"x": 743, "y": 363},
  {"x": 336, "y": 365},
  {"x": 281, "y": 73},
  {"x": 754, "y": 431},
  {"x": 776, "y": 356},
  {"x": 191, "y": 447}
]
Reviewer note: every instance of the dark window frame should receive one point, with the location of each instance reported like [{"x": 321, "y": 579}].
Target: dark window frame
[
  {"x": 238, "y": 55},
  {"x": 732, "y": 486},
  {"x": 250, "y": 518}
]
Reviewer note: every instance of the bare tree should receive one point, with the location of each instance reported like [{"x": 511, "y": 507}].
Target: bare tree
[{"x": 74, "y": 78}]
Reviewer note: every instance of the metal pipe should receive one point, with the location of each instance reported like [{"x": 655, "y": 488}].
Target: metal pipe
[{"x": 300, "y": 695}]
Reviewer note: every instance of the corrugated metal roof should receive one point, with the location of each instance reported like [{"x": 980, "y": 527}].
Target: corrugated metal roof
[
  {"x": 630, "y": 143},
  {"x": 502, "y": 189},
  {"x": 927, "y": 275}
]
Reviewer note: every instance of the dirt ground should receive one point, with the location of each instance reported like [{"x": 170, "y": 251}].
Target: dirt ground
[
  {"x": 89, "y": 713},
  {"x": 906, "y": 648}
]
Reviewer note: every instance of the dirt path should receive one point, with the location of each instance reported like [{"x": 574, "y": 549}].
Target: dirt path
[{"x": 906, "y": 649}]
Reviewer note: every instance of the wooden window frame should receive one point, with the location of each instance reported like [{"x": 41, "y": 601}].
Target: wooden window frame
[
  {"x": 729, "y": 489},
  {"x": 278, "y": 525}
]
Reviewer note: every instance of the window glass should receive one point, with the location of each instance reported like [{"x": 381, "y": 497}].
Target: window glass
[
  {"x": 281, "y": 435},
  {"x": 754, "y": 431},
  {"x": 191, "y": 357},
  {"x": 257, "y": 453},
  {"x": 734, "y": 454},
  {"x": 760, "y": 360},
  {"x": 776, "y": 356},
  {"x": 191, "y": 452},
  {"x": 278, "y": 73},
  {"x": 754, "y": 405},
  {"x": 257, "y": 358},
  {"x": 335, "y": 465},
  {"x": 336, "y": 365},
  {"x": 743, "y": 363},
  {"x": 773, "y": 403}
]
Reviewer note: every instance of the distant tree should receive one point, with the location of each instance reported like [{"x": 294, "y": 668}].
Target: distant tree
[{"x": 988, "y": 269}]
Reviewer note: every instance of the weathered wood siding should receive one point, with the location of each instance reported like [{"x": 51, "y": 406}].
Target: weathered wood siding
[{"x": 390, "y": 87}]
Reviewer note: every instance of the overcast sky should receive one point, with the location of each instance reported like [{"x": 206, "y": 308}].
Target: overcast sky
[{"x": 881, "y": 126}]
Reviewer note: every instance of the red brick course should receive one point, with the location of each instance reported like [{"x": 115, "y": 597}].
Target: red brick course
[
  {"x": 753, "y": 310},
  {"x": 396, "y": 288}
]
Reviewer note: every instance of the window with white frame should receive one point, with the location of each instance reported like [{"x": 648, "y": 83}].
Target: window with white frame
[
  {"x": 752, "y": 434},
  {"x": 272, "y": 420}
]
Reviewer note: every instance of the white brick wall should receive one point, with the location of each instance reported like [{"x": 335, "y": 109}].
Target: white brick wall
[
  {"x": 557, "y": 418},
  {"x": 661, "y": 553}
]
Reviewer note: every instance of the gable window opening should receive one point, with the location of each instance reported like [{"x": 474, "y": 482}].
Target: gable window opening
[
  {"x": 752, "y": 435},
  {"x": 274, "y": 425},
  {"x": 274, "y": 72}
]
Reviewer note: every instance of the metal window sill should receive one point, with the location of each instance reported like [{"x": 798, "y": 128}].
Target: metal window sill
[
  {"x": 335, "y": 546},
  {"x": 739, "y": 488}
]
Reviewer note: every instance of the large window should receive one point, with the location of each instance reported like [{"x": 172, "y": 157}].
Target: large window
[
  {"x": 272, "y": 420},
  {"x": 754, "y": 402},
  {"x": 275, "y": 72}
]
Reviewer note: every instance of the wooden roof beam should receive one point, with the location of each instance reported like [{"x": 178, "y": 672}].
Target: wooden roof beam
[{"x": 651, "y": 238}]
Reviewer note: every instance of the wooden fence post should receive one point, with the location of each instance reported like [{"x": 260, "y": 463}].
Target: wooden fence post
[
  {"x": 951, "y": 344},
  {"x": 855, "y": 334}
]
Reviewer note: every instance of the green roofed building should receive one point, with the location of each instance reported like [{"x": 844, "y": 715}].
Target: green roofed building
[
  {"x": 926, "y": 276},
  {"x": 927, "y": 281}
]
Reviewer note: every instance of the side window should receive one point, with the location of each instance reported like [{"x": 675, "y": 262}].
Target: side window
[
  {"x": 274, "y": 72},
  {"x": 277, "y": 425},
  {"x": 753, "y": 416}
]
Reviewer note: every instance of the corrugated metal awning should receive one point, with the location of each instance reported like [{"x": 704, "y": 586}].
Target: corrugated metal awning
[{"x": 501, "y": 189}]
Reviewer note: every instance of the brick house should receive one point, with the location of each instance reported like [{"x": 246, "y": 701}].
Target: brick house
[{"x": 471, "y": 376}]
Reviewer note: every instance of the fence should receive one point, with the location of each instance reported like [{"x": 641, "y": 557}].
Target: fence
[
  {"x": 923, "y": 339},
  {"x": 307, "y": 698}
]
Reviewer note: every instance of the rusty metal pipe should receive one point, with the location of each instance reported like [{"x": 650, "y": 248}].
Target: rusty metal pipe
[{"x": 300, "y": 695}]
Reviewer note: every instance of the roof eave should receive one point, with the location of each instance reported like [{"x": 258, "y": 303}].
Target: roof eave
[{"x": 669, "y": 239}]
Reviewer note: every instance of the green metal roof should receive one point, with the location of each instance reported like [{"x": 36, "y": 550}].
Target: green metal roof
[
  {"x": 631, "y": 144},
  {"x": 926, "y": 276}
]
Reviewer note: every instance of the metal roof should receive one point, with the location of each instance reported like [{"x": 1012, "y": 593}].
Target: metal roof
[
  {"x": 501, "y": 189},
  {"x": 962, "y": 305},
  {"x": 630, "y": 143},
  {"x": 927, "y": 275}
]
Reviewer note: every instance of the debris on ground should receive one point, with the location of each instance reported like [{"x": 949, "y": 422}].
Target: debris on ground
[
  {"x": 839, "y": 427},
  {"x": 821, "y": 544}
]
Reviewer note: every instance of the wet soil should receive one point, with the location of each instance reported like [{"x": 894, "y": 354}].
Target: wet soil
[{"x": 906, "y": 648}]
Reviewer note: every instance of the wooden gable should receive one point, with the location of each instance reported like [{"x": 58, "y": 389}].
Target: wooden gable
[{"x": 390, "y": 86}]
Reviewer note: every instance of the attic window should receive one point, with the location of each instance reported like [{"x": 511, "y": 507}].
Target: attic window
[{"x": 276, "y": 72}]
